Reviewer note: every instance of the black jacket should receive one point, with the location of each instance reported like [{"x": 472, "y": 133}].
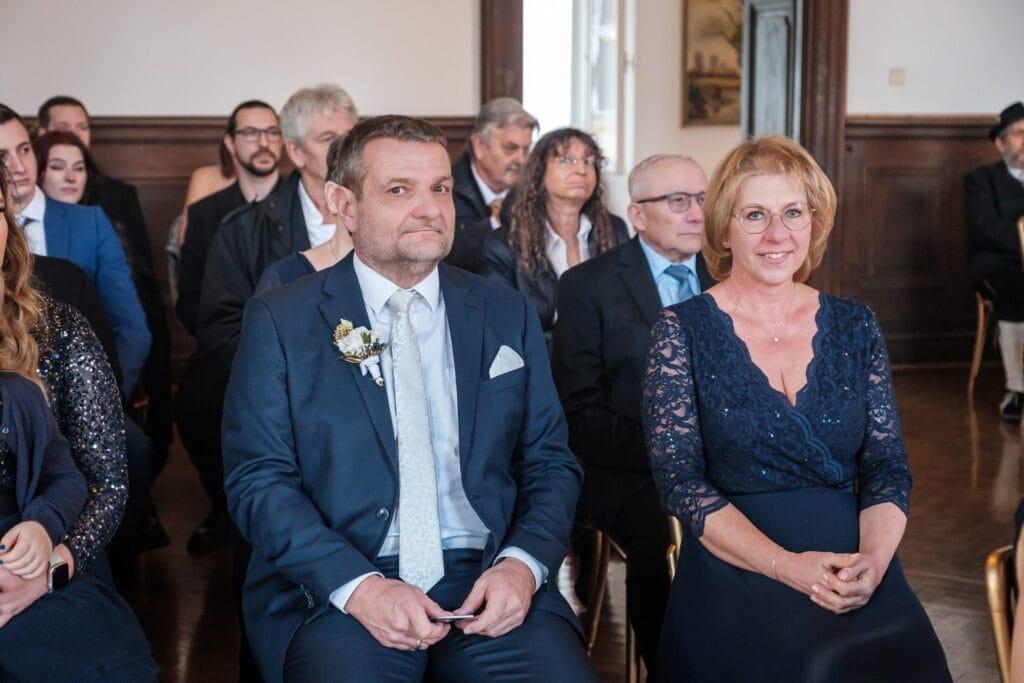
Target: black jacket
[
  {"x": 66, "y": 282},
  {"x": 120, "y": 201},
  {"x": 606, "y": 307},
  {"x": 500, "y": 263},
  {"x": 469, "y": 203},
  {"x": 248, "y": 240},
  {"x": 994, "y": 201},
  {"x": 204, "y": 217}
]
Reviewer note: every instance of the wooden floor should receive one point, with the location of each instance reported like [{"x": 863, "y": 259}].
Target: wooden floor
[{"x": 968, "y": 479}]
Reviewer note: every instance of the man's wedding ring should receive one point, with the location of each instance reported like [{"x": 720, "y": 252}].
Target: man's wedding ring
[{"x": 419, "y": 644}]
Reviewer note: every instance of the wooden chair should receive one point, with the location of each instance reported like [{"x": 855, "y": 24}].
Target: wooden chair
[
  {"x": 984, "y": 307},
  {"x": 1000, "y": 585},
  {"x": 983, "y": 302},
  {"x": 597, "y": 590},
  {"x": 675, "y": 534}
]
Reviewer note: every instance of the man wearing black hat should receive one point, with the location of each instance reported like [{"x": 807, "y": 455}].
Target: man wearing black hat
[{"x": 995, "y": 201}]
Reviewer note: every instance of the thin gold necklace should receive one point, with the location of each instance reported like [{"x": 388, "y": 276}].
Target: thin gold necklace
[
  {"x": 334, "y": 251},
  {"x": 774, "y": 336}
]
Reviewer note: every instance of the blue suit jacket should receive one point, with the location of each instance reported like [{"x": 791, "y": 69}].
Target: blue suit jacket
[
  {"x": 84, "y": 236},
  {"x": 310, "y": 457}
]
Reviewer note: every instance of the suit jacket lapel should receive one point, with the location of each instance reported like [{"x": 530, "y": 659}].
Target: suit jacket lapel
[
  {"x": 637, "y": 278},
  {"x": 57, "y": 229},
  {"x": 703, "y": 275},
  {"x": 466, "y": 324},
  {"x": 344, "y": 300}
]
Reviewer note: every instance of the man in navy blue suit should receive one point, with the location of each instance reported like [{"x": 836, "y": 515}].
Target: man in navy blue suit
[
  {"x": 352, "y": 577},
  {"x": 82, "y": 235}
]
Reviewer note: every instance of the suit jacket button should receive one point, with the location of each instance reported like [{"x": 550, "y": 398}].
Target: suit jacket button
[{"x": 383, "y": 514}]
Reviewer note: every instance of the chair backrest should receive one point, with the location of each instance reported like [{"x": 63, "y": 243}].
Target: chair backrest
[
  {"x": 1000, "y": 585},
  {"x": 1020, "y": 235},
  {"x": 675, "y": 535}
]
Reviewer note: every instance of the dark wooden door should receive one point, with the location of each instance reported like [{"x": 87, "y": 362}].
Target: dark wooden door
[{"x": 772, "y": 58}]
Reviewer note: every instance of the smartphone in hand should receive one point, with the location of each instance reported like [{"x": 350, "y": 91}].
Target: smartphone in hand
[{"x": 452, "y": 618}]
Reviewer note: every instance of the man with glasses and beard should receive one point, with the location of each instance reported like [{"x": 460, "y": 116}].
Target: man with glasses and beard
[
  {"x": 253, "y": 138},
  {"x": 995, "y": 201}
]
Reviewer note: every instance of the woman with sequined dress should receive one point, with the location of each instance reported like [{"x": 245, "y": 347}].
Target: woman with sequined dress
[
  {"x": 774, "y": 436},
  {"x": 78, "y": 630}
]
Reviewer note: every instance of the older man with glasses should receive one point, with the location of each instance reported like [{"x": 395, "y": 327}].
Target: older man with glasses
[{"x": 605, "y": 309}]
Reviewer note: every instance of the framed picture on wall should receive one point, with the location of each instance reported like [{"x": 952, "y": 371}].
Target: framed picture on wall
[{"x": 712, "y": 45}]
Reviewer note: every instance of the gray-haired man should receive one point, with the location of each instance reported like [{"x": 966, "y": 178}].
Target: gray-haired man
[{"x": 487, "y": 170}]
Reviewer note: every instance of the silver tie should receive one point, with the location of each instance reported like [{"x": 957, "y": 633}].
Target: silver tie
[{"x": 420, "y": 560}]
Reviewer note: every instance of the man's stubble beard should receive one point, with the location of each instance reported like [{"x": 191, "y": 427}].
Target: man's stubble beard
[{"x": 256, "y": 171}]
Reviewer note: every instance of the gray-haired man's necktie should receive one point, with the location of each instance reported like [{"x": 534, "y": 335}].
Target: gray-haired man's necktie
[
  {"x": 681, "y": 273},
  {"x": 420, "y": 560}
]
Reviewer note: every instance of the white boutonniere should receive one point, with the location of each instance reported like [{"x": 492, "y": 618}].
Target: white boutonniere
[{"x": 362, "y": 346}]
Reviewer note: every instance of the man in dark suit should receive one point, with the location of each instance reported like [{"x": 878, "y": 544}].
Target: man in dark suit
[
  {"x": 82, "y": 235},
  {"x": 380, "y": 511},
  {"x": 120, "y": 202},
  {"x": 605, "y": 309},
  {"x": 484, "y": 174},
  {"x": 995, "y": 201},
  {"x": 293, "y": 217}
]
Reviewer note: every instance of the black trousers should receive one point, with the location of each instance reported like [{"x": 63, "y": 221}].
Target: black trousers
[
  {"x": 1008, "y": 286},
  {"x": 198, "y": 406},
  {"x": 626, "y": 507}
]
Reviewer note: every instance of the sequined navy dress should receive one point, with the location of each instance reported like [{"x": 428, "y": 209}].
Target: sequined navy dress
[
  {"x": 719, "y": 433},
  {"x": 84, "y": 398}
]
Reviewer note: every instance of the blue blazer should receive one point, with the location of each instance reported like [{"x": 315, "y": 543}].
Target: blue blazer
[
  {"x": 84, "y": 236},
  {"x": 310, "y": 457}
]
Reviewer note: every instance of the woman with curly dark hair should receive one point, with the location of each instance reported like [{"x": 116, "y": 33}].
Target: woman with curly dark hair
[{"x": 557, "y": 220}]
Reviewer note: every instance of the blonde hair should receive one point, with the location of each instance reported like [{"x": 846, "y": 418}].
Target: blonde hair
[
  {"x": 772, "y": 155},
  {"x": 22, "y": 305}
]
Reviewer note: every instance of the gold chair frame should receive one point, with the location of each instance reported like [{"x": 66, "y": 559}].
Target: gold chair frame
[
  {"x": 999, "y": 585},
  {"x": 598, "y": 588}
]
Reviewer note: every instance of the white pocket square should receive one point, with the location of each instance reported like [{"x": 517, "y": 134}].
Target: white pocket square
[{"x": 507, "y": 360}]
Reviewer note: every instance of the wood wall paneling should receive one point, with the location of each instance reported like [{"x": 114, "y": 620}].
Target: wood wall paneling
[
  {"x": 900, "y": 236},
  {"x": 157, "y": 155}
]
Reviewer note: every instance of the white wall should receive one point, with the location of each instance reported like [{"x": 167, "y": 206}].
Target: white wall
[
  {"x": 960, "y": 56},
  {"x": 659, "y": 91},
  {"x": 201, "y": 57}
]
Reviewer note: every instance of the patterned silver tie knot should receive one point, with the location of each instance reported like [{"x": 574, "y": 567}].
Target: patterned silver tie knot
[{"x": 420, "y": 558}]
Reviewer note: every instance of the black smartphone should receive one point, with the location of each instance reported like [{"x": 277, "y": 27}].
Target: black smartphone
[{"x": 452, "y": 618}]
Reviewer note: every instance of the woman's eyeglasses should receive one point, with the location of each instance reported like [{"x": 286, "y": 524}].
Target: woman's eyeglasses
[{"x": 756, "y": 219}]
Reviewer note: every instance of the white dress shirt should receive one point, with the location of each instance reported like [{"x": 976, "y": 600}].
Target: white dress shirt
[
  {"x": 1017, "y": 173},
  {"x": 557, "y": 250},
  {"x": 35, "y": 231},
  {"x": 461, "y": 527},
  {"x": 318, "y": 231},
  {"x": 487, "y": 193}
]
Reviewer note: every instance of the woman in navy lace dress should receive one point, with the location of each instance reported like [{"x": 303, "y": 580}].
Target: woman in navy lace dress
[{"x": 774, "y": 436}]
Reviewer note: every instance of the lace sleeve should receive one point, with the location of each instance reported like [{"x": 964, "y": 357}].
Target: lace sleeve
[
  {"x": 882, "y": 462},
  {"x": 672, "y": 429},
  {"x": 86, "y": 403}
]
